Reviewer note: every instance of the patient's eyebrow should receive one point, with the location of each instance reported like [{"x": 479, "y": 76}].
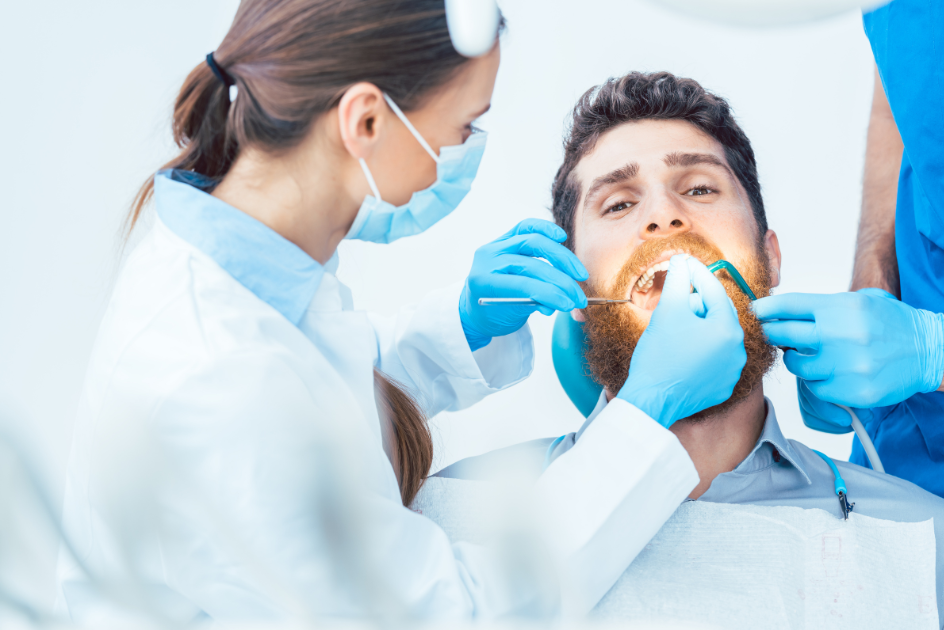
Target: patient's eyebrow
[
  {"x": 691, "y": 159},
  {"x": 618, "y": 176}
]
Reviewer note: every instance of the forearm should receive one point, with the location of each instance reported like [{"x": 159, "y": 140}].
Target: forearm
[
  {"x": 876, "y": 264},
  {"x": 424, "y": 348}
]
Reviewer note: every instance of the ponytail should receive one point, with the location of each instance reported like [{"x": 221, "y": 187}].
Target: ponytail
[{"x": 201, "y": 130}]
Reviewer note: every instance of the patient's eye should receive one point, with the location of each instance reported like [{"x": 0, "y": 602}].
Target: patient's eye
[
  {"x": 698, "y": 191},
  {"x": 621, "y": 206}
]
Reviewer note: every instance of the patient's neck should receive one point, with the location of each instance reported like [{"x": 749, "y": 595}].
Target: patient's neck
[{"x": 717, "y": 445}]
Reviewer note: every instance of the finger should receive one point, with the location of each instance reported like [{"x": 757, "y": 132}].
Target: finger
[
  {"x": 536, "y": 226},
  {"x": 793, "y": 333},
  {"x": 523, "y": 266},
  {"x": 819, "y": 414},
  {"x": 678, "y": 284},
  {"x": 544, "y": 293},
  {"x": 789, "y": 306},
  {"x": 808, "y": 367},
  {"x": 823, "y": 410},
  {"x": 697, "y": 304},
  {"x": 830, "y": 392},
  {"x": 540, "y": 246},
  {"x": 715, "y": 297},
  {"x": 543, "y": 310}
]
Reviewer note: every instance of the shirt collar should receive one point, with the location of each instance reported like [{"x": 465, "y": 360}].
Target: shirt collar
[
  {"x": 771, "y": 441},
  {"x": 276, "y": 270}
]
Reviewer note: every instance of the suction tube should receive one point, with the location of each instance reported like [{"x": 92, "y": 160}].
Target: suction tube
[
  {"x": 867, "y": 445},
  {"x": 735, "y": 275}
]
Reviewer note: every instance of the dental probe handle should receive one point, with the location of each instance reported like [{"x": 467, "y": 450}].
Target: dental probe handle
[
  {"x": 590, "y": 301},
  {"x": 492, "y": 301}
]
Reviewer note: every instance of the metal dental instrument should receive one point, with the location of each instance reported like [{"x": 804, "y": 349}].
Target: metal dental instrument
[{"x": 594, "y": 301}]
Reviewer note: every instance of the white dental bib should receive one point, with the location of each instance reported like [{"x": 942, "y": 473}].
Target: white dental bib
[{"x": 741, "y": 566}]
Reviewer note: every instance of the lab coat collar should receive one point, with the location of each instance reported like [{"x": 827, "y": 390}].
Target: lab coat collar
[
  {"x": 601, "y": 405},
  {"x": 276, "y": 270},
  {"x": 761, "y": 456}
]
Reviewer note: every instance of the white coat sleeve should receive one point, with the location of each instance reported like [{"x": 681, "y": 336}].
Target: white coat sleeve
[
  {"x": 256, "y": 520},
  {"x": 424, "y": 348},
  {"x": 604, "y": 500}
]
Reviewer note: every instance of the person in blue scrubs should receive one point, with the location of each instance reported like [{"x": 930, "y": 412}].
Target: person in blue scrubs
[{"x": 881, "y": 349}]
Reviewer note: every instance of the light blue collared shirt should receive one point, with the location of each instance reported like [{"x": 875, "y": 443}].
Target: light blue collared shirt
[
  {"x": 276, "y": 270},
  {"x": 777, "y": 472}
]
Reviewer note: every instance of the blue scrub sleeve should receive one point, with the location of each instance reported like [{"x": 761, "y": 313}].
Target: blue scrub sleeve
[{"x": 907, "y": 38}]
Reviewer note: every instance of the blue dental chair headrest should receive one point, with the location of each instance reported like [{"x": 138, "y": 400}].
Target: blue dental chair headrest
[{"x": 568, "y": 344}]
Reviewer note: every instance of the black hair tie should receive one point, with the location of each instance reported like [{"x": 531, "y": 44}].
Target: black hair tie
[{"x": 221, "y": 74}]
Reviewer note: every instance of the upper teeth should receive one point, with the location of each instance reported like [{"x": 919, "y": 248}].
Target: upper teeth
[{"x": 646, "y": 279}]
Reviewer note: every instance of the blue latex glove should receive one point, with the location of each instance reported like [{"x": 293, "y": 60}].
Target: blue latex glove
[
  {"x": 691, "y": 355},
  {"x": 820, "y": 415},
  {"x": 863, "y": 349},
  {"x": 509, "y": 267}
]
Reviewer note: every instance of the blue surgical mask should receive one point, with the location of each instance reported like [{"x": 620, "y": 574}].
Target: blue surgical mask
[{"x": 381, "y": 222}]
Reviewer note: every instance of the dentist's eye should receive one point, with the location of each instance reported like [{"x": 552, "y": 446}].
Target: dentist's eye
[
  {"x": 620, "y": 207},
  {"x": 698, "y": 191}
]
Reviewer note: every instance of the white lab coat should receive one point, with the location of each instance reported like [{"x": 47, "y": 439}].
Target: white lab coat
[{"x": 237, "y": 401}]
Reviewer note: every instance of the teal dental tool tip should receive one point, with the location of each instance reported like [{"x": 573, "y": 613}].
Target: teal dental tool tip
[{"x": 735, "y": 274}]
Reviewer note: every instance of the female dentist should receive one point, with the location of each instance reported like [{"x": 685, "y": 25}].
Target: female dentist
[{"x": 231, "y": 345}]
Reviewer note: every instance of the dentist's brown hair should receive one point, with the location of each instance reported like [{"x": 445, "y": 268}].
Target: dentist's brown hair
[{"x": 410, "y": 446}]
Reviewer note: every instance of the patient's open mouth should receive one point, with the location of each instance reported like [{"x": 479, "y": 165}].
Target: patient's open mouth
[
  {"x": 647, "y": 288},
  {"x": 648, "y": 279}
]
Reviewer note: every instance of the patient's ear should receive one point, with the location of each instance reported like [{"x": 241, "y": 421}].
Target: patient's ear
[
  {"x": 578, "y": 315},
  {"x": 772, "y": 245}
]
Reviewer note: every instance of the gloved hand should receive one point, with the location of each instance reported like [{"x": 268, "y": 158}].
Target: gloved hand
[
  {"x": 863, "y": 349},
  {"x": 509, "y": 267},
  {"x": 820, "y": 415},
  {"x": 691, "y": 355}
]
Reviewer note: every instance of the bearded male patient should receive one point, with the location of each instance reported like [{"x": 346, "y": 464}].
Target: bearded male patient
[{"x": 656, "y": 166}]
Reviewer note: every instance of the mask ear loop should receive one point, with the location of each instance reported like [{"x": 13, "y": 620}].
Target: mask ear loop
[
  {"x": 370, "y": 180},
  {"x": 409, "y": 125}
]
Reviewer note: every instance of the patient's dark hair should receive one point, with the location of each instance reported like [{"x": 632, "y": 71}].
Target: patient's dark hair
[{"x": 650, "y": 96}]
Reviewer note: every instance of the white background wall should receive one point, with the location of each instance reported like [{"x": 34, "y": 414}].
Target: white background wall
[{"x": 87, "y": 91}]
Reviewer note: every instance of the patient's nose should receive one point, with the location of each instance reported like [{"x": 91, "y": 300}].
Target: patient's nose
[
  {"x": 665, "y": 220},
  {"x": 654, "y": 227}
]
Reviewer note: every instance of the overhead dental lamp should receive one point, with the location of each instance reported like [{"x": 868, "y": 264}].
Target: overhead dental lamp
[
  {"x": 766, "y": 12},
  {"x": 473, "y": 25}
]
